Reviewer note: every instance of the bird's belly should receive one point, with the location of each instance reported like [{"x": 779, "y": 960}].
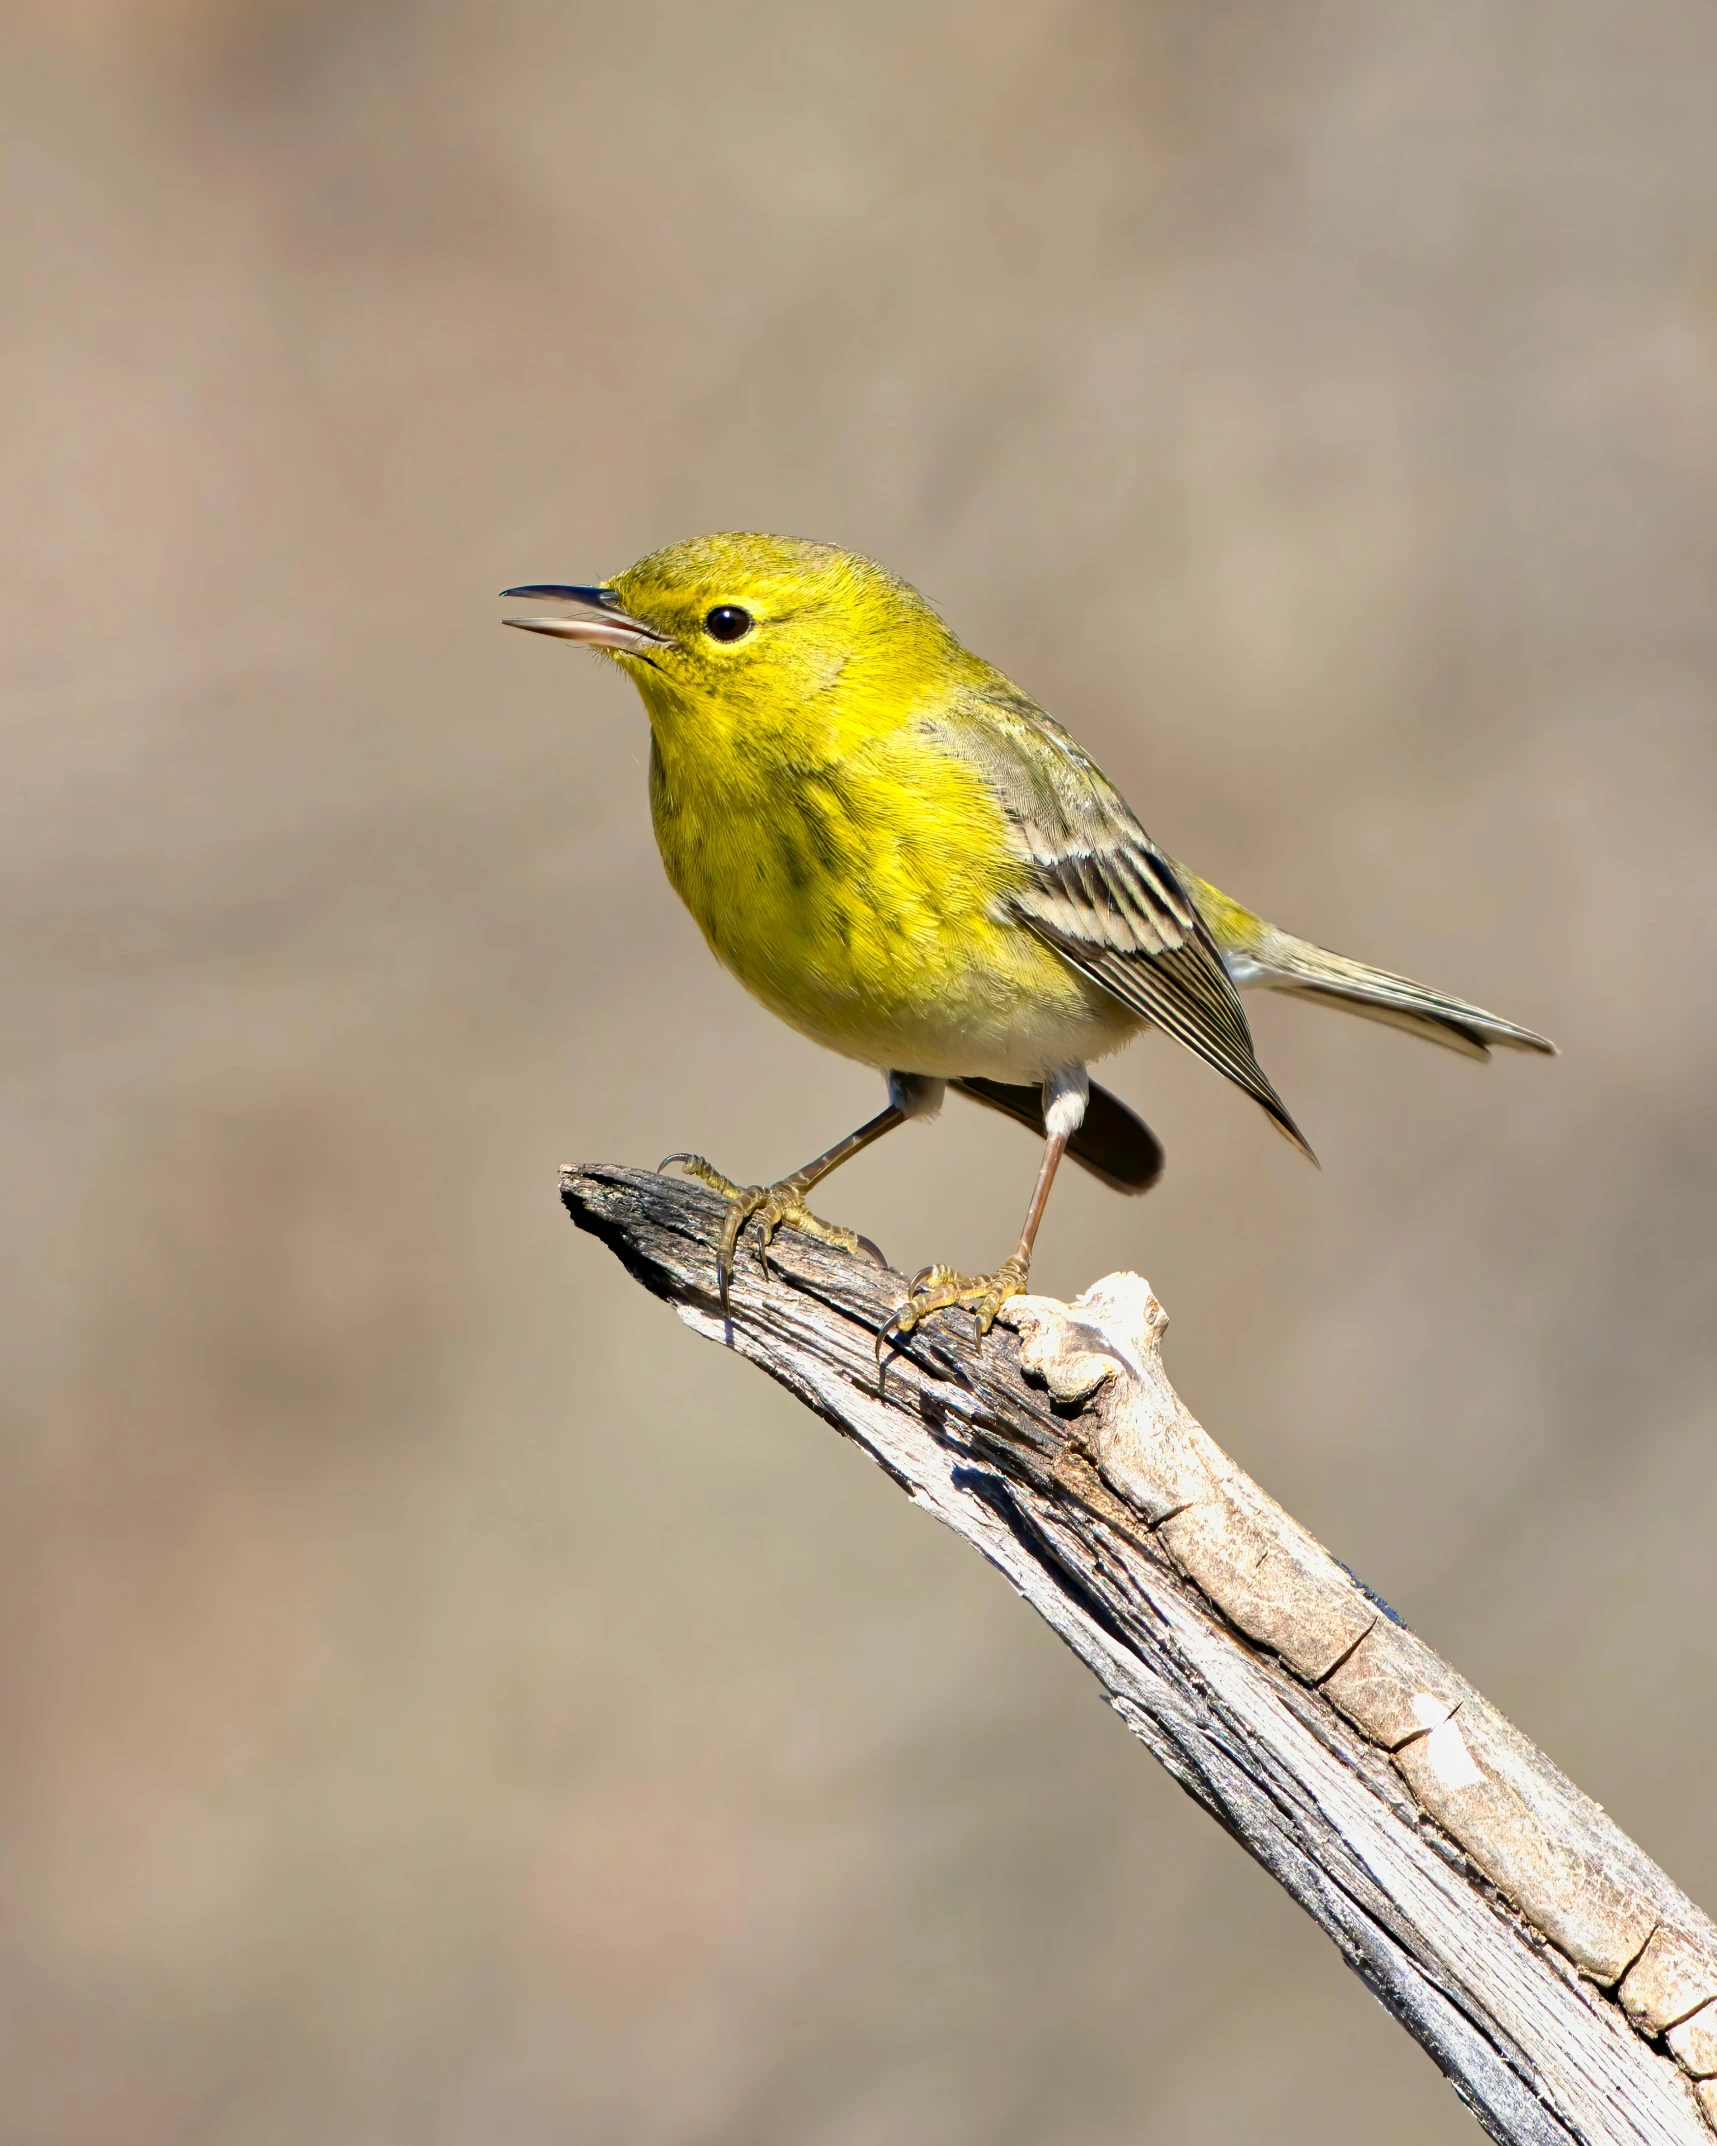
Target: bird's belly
[
  {"x": 884, "y": 951},
  {"x": 986, "y": 1000},
  {"x": 1021, "y": 1043}
]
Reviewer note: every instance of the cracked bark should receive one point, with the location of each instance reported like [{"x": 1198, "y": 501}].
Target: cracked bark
[{"x": 1557, "y": 1977}]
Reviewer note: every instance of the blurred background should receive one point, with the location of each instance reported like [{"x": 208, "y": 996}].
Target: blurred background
[{"x": 442, "y": 1701}]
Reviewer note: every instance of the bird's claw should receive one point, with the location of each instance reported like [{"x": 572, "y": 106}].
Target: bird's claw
[
  {"x": 705, "y": 1172},
  {"x": 937, "y": 1289},
  {"x": 771, "y": 1207}
]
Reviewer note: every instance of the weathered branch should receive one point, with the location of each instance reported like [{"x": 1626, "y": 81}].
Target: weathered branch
[{"x": 1552, "y": 1971}]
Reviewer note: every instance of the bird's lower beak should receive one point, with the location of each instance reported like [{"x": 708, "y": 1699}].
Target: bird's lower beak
[{"x": 598, "y": 623}]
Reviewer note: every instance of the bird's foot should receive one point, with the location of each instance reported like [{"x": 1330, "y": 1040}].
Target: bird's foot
[
  {"x": 771, "y": 1207},
  {"x": 937, "y": 1289}
]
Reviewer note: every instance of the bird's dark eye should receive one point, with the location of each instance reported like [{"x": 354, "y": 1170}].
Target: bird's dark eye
[{"x": 727, "y": 622}]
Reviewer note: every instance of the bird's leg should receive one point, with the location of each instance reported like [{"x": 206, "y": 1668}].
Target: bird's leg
[
  {"x": 983, "y": 1295},
  {"x": 771, "y": 1206}
]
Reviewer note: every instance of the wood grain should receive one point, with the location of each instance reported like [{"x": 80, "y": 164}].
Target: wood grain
[{"x": 1554, "y": 1973}]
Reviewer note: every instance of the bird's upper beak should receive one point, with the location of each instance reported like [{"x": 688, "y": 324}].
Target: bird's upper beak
[{"x": 599, "y": 622}]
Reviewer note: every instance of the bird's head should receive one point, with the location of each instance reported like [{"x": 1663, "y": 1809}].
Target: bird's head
[{"x": 750, "y": 628}]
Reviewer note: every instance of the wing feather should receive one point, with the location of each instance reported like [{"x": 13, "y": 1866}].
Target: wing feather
[{"x": 1100, "y": 892}]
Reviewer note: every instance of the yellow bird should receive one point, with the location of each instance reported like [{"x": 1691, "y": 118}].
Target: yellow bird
[{"x": 896, "y": 850}]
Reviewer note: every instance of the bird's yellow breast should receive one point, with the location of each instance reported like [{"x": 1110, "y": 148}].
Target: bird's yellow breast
[{"x": 853, "y": 874}]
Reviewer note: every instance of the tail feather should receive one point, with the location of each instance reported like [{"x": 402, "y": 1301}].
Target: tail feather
[
  {"x": 1112, "y": 1142},
  {"x": 1282, "y": 963}
]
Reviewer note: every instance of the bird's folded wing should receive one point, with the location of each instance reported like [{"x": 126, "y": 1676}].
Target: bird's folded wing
[{"x": 1098, "y": 890}]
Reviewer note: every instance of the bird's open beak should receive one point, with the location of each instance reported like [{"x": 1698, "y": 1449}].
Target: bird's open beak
[{"x": 598, "y": 623}]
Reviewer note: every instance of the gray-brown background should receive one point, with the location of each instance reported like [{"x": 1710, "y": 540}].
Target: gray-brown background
[{"x": 443, "y": 1702}]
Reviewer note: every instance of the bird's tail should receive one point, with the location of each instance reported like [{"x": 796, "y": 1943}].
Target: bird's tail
[
  {"x": 1257, "y": 953},
  {"x": 1286, "y": 964}
]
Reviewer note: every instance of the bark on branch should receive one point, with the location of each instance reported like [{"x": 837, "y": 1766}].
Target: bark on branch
[{"x": 1552, "y": 1971}]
